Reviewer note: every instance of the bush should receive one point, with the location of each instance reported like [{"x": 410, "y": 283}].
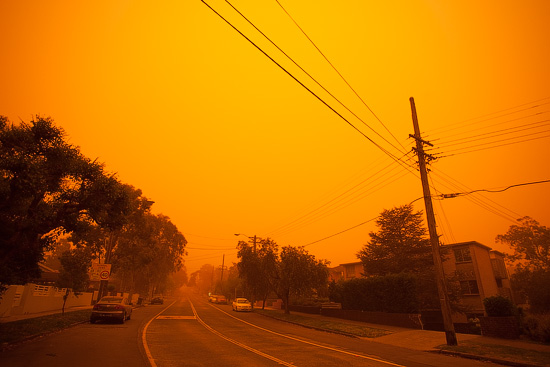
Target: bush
[
  {"x": 498, "y": 306},
  {"x": 537, "y": 327},
  {"x": 396, "y": 293}
]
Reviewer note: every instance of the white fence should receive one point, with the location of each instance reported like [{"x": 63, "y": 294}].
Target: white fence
[{"x": 33, "y": 298}]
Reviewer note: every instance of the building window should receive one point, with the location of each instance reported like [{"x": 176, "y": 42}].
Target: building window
[
  {"x": 469, "y": 287},
  {"x": 462, "y": 255}
]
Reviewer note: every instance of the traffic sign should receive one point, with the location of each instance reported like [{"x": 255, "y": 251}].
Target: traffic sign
[{"x": 100, "y": 272}]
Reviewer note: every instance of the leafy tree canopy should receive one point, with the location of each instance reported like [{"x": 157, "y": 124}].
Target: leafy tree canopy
[
  {"x": 292, "y": 272},
  {"x": 400, "y": 245},
  {"x": 257, "y": 266},
  {"x": 47, "y": 187},
  {"x": 530, "y": 242},
  {"x": 299, "y": 273}
]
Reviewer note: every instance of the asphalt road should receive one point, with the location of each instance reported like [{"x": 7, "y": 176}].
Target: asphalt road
[
  {"x": 192, "y": 332},
  {"x": 86, "y": 345}
]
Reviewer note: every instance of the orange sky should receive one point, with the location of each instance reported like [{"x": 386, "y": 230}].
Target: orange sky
[{"x": 184, "y": 108}]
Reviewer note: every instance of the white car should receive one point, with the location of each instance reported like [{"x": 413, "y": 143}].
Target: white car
[{"x": 241, "y": 304}]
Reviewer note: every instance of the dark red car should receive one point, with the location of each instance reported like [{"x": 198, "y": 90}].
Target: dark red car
[{"x": 112, "y": 308}]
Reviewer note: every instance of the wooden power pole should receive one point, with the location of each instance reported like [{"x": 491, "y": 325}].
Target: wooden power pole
[{"x": 434, "y": 238}]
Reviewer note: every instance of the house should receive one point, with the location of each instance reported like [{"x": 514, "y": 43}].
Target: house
[{"x": 346, "y": 271}]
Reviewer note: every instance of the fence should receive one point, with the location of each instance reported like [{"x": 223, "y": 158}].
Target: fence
[{"x": 33, "y": 298}]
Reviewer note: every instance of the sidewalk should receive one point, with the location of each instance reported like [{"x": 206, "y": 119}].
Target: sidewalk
[{"x": 430, "y": 341}]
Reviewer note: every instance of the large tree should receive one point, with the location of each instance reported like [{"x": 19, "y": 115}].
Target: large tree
[
  {"x": 47, "y": 187},
  {"x": 530, "y": 242},
  {"x": 148, "y": 250},
  {"x": 292, "y": 272},
  {"x": 257, "y": 266},
  {"x": 400, "y": 245},
  {"x": 299, "y": 273}
]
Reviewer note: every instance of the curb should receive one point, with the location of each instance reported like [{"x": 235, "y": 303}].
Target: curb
[{"x": 484, "y": 358}]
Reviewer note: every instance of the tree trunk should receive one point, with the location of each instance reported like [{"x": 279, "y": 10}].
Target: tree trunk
[
  {"x": 65, "y": 296},
  {"x": 286, "y": 299}
]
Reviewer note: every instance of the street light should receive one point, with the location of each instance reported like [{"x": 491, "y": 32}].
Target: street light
[{"x": 251, "y": 238}]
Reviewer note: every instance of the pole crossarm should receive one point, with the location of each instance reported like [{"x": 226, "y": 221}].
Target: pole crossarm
[{"x": 419, "y": 139}]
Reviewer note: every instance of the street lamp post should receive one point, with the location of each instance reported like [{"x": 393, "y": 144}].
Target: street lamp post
[
  {"x": 254, "y": 242},
  {"x": 251, "y": 238}
]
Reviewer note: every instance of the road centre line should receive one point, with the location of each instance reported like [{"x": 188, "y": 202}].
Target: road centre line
[
  {"x": 255, "y": 351},
  {"x": 310, "y": 343},
  {"x": 144, "y": 337}
]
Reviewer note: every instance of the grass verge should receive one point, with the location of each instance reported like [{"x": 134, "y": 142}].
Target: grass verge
[
  {"x": 17, "y": 331},
  {"x": 334, "y": 326},
  {"x": 473, "y": 348},
  {"x": 501, "y": 352}
]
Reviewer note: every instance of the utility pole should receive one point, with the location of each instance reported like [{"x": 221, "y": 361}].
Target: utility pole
[
  {"x": 434, "y": 238},
  {"x": 223, "y": 265}
]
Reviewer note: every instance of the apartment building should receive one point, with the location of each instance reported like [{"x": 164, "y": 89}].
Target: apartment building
[{"x": 479, "y": 270}]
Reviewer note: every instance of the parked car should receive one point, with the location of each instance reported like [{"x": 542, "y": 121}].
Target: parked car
[
  {"x": 241, "y": 304},
  {"x": 220, "y": 300},
  {"x": 112, "y": 308},
  {"x": 157, "y": 300}
]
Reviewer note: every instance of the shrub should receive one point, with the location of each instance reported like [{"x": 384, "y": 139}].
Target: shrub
[
  {"x": 391, "y": 293},
  {"x": 537, "y": 327},
  {"x": 498, "y": 306}
]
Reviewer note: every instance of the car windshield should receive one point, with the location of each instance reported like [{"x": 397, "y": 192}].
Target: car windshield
[{"x": 242, "y": 301}]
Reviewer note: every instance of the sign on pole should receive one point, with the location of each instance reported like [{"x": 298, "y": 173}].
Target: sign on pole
[{"x": 100, "y": 272}]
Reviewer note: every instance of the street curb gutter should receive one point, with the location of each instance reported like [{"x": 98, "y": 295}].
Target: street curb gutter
[{"x": 484, "y": 358}]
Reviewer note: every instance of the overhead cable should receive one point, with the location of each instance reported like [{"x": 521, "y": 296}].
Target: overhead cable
[
  {"x": 389, "y": 154},
  {"x": 338, "y": 72}
]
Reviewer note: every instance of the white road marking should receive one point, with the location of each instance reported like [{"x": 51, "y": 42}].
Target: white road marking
[
  {"x": 255, "y": 351},
  {"x": 176, "y": 317},
  {"x": 144, "y": 338},
  {"x": 311, "y": 343},
  {"x": 244, "y": 346}
]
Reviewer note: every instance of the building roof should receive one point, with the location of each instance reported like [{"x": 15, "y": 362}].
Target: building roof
[{"x": 469, "y": 243}]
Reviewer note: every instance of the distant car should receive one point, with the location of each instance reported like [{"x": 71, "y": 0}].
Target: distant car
[
  {"x": 211, "y": 297},
  {"x": 157, "y": 301},
  {"x": 241, "y": 304},
  {"x": 113, "y": 308},
  {"x": 220, "y": 300}
]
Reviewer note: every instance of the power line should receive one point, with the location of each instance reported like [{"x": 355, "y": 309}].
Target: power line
[
  {"x": 348, "y": 197},
  {"x": 312, "y": 78},
  {"x": 463, "y": 124},
  {"x": 335, "y": 208},
  {"x": 338, "y": 72},
  {"x": 345, "y": 230},
  {"x": 491, "y": 134},
  {"x": 450, "y": 196},
  {"x": 477, "y": 148},
  {"x": 479, "y": 200},
  {"x": 306, "y": 88}
]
